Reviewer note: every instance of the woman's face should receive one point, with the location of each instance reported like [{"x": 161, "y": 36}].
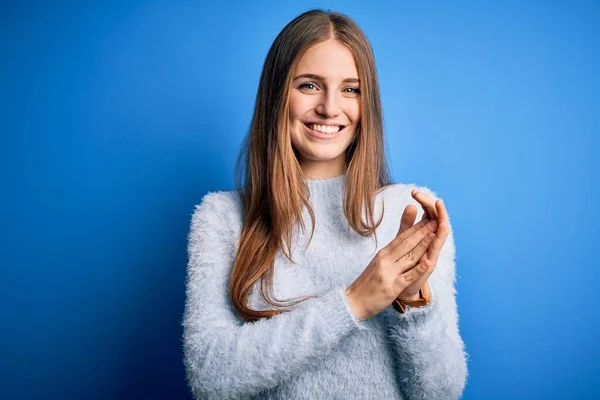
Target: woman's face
[{"x": 324, "y": 97}]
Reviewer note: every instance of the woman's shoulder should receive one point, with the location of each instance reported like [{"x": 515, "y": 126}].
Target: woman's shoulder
[
  {"x": 220, "y": 201},
  {"x": 222, "y": 207},
  {"x": 397, "y": 196},
  {"x": 401, "y": 192}
]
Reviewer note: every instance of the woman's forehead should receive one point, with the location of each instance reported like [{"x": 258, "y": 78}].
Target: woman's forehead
[{"x": 329, "y": 60}]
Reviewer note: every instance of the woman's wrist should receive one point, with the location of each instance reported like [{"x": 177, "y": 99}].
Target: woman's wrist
[
  {"x": 422, "y": 294},
  {"x": 414, "y": 297}
]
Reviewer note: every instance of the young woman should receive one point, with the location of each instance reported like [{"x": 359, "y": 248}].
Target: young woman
[{"x": 363, "y": 305}]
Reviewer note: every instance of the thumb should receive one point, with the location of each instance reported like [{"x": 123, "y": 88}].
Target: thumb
[{"x": 408, "y": 218}]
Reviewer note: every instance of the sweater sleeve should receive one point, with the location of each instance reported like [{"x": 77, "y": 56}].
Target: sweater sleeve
[
  {"x": 430, "y": 354},
  {"x": 226, "y": 357}
]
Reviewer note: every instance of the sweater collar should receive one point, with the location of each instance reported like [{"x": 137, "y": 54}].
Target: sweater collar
[{"x": 327, "y": 191}]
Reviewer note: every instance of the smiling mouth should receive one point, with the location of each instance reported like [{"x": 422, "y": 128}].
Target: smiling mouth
[{"x": 326, "y": 129}]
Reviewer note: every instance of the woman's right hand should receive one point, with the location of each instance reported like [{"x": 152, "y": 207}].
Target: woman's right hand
[{"x": 393, "y": 269}]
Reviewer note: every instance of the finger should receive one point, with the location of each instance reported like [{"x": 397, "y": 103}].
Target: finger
[
  {"x": 402, "y": 235},
  {"x": 418, "y": 284},
  {"x": 407, "y": 278},
  {"x": 425, "y": 216},
  {"x": 441, "y": 212},
  {"x": 426, "y": 201},
  {"x": 442, "y": 233},
  {"x": 413, "y": 257},
  {"x": 406, "y": 242},
  {"x": 408, "y": 218}
]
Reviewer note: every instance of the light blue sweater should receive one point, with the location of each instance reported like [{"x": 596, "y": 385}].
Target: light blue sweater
[{"x": 318, "y": 350}]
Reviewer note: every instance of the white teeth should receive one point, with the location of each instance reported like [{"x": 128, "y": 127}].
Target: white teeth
[{"x": 324, "y": 128}]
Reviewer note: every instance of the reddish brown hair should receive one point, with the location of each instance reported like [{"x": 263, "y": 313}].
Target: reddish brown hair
[{"x": 274, "y": 190}]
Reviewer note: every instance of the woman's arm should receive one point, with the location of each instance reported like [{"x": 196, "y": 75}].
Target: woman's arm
[
  {"x": 224, "y": 356},
  {"x": 430, "y": 354}
]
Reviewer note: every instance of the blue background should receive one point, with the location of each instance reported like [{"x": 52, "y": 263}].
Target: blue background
[{"x": 117, "y": 117}]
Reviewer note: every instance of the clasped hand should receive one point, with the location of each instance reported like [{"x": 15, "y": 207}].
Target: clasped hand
[{"x": 402, "y": 267}]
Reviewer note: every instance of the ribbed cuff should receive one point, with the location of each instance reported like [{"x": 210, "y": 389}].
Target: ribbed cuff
[
  {"x": 337, "y": 310},
  {"x": 416, "y": 316}
]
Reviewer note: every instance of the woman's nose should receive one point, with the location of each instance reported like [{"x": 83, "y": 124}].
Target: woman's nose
[{"x": 328, "y": 106}]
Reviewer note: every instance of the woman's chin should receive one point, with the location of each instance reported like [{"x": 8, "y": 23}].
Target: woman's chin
[{"x": 320, "y": 154}]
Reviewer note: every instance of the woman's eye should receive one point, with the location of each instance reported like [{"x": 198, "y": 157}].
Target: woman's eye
[
  {"x": 306, "y": 86},
  {"x": 311, "y": 87}
]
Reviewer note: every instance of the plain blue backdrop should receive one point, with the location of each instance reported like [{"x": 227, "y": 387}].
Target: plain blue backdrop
[{"x": 117, "y": 117}]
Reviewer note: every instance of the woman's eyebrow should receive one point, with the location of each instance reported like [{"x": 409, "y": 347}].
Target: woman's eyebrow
[{"x": 320, "y": 78}]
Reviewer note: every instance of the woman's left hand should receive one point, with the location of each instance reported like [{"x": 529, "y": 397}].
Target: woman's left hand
[{"x": 432, "y": 210}]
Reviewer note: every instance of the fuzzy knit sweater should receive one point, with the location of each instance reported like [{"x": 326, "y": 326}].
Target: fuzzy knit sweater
[{"x": 319, "y": 350}]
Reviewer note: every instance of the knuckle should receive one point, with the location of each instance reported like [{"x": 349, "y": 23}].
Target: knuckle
[
  {"x": 383, "y": 253},
  {"x": 379, "y": 278},
  {"x": 382, "y": 259},
  {"x": 410, "y": 256},
  {"x": 403, "y": 242}
]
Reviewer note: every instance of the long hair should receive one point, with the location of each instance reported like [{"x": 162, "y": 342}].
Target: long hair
[{"x": 275, "y": 190}]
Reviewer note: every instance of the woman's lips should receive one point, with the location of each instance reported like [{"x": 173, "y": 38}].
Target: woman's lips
[{"x": 322, "y": 135}]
